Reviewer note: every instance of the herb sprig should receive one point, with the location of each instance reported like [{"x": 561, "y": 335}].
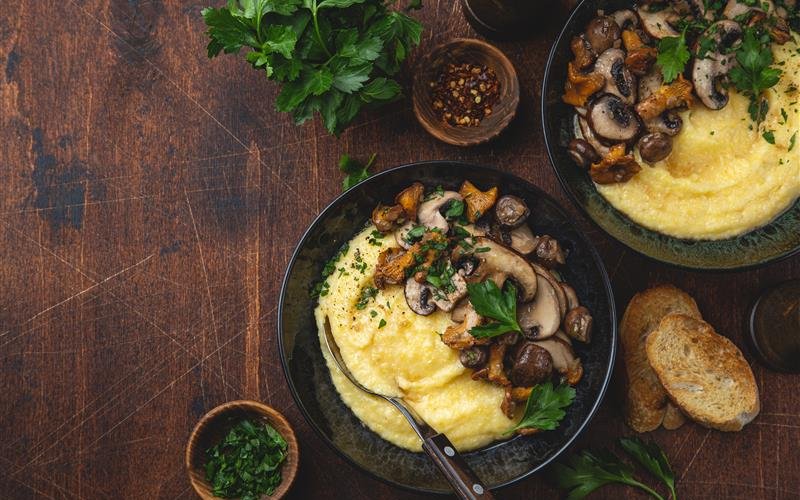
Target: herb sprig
[
  {"x": 545, "y": 407},
  {"x": 354, "y": 170},
  {"x": 587, "y": 471},
  {"x": 754, "y": 74},
  {"x": 332, "y": 57},
  {"x": 501, "y": 306},
  {"x": 673, "y": 54},
  {"x": 247, "y": 463}
]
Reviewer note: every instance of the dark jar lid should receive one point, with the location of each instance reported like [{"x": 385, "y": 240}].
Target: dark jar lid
[{"x": 775, "y": 327}]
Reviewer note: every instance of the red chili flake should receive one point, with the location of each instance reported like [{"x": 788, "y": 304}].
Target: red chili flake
[{"x": 464, "y": 93}]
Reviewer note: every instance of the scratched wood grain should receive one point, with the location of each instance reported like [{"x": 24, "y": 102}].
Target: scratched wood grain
[{"x": 150, "y": 201}]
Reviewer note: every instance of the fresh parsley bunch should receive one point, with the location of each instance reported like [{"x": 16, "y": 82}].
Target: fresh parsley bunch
[{"x": 333, "y": 57}]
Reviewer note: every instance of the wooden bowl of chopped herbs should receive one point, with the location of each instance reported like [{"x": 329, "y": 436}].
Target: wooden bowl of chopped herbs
[
  {"x": 242, "y": 449},
  {"x": 465, "y": 92}
]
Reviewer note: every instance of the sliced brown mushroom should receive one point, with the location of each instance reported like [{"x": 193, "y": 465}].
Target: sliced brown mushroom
[
  {"x": 523, "y": 240},
  {"x": 734, "y": 9},
  {"x": 429, "y": 211},
  {"x": 709, "y": 73},
  {"x": 560, "y": 295},
  {"x": 651, "y": 82},
  {"x": 669, "y": 122},
  {"x": 511, "y": 211},
  {"x": 654, "y": 147},
  {"x": 401, "y": 235},
  {"x": 569, "y": 293},
  {"x": 582, "y": 153},
  {"x": 585, "y": 131},
  {"x": 565, "y": 361},
  {"x": 612, "y": 120},
  {"x": 659, "y": 23},
  {"x": 578, "y": 324},
  {"x": 619, "y": 80},
  {"x": 446, "y": 302},
  {"x": 625, "y": 19},
  {"x": 601, "y": 33},
  {"x": 499, "y": 258},
  {"x": 419, "y": 297},
  {"x": 540, "y": 318}
]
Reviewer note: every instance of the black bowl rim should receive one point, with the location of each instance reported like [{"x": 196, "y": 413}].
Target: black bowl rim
[
  {"x": 528, "y": 186},
  {"x": 548, "y": 144}
]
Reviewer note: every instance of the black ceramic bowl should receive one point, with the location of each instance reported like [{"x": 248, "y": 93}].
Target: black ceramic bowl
[
  {"x": 778, "y": 239},
  {"x": 310, "y": 381}
]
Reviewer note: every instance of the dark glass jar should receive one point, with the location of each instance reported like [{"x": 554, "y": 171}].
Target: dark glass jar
[
  {"x": 775, "y": 327},
  {"x": 512, "y": 19}
]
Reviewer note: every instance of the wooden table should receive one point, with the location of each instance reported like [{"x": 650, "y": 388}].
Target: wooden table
[{"x": 150, "y": 201}]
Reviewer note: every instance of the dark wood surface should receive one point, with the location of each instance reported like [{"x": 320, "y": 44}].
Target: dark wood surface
[{"x": 150, "y": 201}]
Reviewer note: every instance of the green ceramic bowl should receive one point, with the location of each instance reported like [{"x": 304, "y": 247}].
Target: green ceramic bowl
[{"x": 777, "y": 240}]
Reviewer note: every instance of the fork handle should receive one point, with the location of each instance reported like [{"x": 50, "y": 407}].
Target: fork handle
[{"x": 455, "y": 469}]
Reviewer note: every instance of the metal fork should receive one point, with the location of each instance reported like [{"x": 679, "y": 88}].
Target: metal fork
[{"x": 444, "y": 455}]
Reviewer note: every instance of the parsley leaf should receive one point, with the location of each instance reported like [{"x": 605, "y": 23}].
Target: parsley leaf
[
  {"x": 754, "y": 74},
  {"x": 331, "y": 57},
  {"x": 588, "y": 471},
  {"x": 545, "y": 407},
  {"x": 769, "y": 136},
  {"x": 354, "y": 171},
  {"x": 792, "y": 141},
  {"x": 652, "y": 458},
  {"x": 490, "y": 302},
  {"x": 672, "y": 56}
]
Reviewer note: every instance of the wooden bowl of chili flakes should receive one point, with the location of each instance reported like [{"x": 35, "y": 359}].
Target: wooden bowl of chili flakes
[{"x": 465, "y": 92}]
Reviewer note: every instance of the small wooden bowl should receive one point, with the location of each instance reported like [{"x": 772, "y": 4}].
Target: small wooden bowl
[
  {"x": 216, "y": 424},
  {"x": 472, "y": 51}
]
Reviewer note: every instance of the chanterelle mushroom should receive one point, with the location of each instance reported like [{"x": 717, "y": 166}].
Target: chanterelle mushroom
[
  {"x": 619, "y": 80},
  {"x": 584, "y": 55},
  {"x": 477, "y": 202},
  {"x": 458, "y": 336},
  {"x": 429, "y": 211},
  {"x": 611, "y": 119},
  {"x": 580, "y": 86},
  {"x": 708, "y": 73},
  {"x": 615, "y": 167},
  {"x": 676, "y": 94}
]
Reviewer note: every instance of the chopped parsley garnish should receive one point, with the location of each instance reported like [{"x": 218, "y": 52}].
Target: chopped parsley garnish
[
  {"x": 454, "y": 210},
  {"x": 414, "y": 234},
  {"x": 247, "y": 463},
  {"x": 381, "y": 324},
  {"x": 792, "y": 141},
  {"x": 368, "y": 293},
  {"x": 769, "y": 136},
  {"x": 322, "y": 288},
  {"x": 374, "y": 238}
]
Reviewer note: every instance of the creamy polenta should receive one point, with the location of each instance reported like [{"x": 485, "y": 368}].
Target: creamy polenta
[
  {"x": 723, "y": 178},
  {"x": 394, "y": 351}
]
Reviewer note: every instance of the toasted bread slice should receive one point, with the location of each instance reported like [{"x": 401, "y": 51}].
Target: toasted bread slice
[
  {"x": 704, "y": 373},
  {"x": 673, "y": 417},
  {"x": 646, "y": 401}
]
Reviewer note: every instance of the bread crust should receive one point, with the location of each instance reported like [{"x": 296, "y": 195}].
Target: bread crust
[
  {"x": 703, "y": 373},
  {"x": 646, "y": 402}
]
